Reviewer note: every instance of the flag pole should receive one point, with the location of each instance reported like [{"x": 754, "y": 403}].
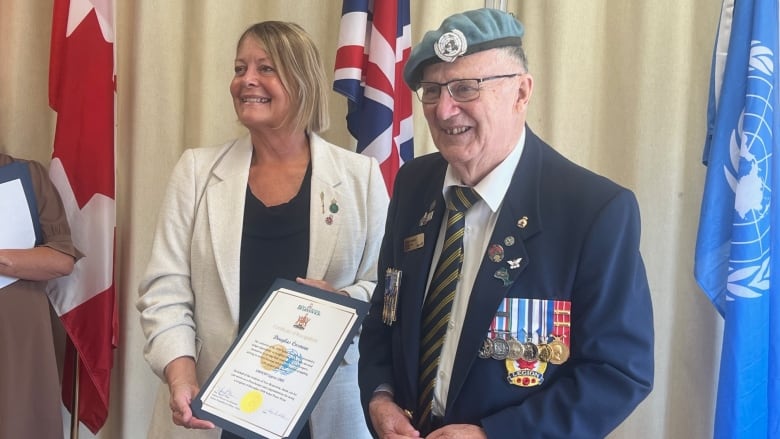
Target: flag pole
[
  {"x": 496, "y": 4},
  {"x": 74, "y": 415}
]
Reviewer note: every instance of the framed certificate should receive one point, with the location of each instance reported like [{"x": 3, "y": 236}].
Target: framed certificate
[
  {"x": 274, "y": 373},
  {"x": 20, "y": 226},
  {"x": 18, "y": 197}
]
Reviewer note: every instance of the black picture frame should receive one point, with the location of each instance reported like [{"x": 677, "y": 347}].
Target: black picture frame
[{"x": 202, "y": 409}]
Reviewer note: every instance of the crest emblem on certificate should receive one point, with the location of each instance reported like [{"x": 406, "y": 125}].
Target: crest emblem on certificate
[{"x": 302, "y": 321}]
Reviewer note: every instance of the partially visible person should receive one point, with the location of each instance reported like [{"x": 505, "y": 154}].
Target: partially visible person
[
  {"x": 29, "y": 381},
  {"x": 280, "y": 202},
  {"x": 538, "y": 323}
]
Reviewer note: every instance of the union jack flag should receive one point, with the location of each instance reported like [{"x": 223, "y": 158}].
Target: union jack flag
[{"x": 374, "y": 44}]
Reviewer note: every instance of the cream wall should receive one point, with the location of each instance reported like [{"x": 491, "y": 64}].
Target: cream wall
[{"x": 620, "y": 87}]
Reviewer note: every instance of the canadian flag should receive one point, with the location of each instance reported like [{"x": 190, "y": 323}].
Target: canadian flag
[{"x": 81, "y": 91}]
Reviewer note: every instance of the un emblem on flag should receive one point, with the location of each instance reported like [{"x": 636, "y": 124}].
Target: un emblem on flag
[{"x": 748, "y": 176}]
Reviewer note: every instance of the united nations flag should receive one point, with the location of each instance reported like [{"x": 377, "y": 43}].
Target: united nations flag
[{"x": 738, "y": 228}]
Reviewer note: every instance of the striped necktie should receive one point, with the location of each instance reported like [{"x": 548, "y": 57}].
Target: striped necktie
[{"x": 438, "y": 301}]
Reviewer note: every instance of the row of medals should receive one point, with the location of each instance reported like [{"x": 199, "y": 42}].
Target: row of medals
[{"x": 505, "y": 347}]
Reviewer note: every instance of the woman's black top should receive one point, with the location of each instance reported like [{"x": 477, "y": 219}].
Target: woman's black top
[{"x": 274, "y": 244}]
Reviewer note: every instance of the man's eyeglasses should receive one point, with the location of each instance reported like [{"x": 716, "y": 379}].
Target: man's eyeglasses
[{"x": 461, "y": 90}]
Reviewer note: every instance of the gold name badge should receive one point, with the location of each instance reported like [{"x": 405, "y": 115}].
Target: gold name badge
[{"x": 414, "y": 242}]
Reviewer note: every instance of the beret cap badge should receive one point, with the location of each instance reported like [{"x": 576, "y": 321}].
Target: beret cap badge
[{"x": 450, "y": 45}]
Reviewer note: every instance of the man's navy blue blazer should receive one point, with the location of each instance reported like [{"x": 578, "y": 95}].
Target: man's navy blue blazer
[{"x": 579, "y": 243}]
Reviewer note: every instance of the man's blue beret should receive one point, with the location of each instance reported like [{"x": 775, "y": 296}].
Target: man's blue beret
[{"x": 463, "y": 34}]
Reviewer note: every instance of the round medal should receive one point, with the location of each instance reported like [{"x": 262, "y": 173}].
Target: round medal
[
  {"x": 530, "y": 351},
  {"x": 496, "y": 253},
  {"x": 559, "y": 352},
  {"x": 544, "y": 352},
  {"x": 500, "y": 349},
  {"x": 516, "y": 349},
  {"x": 486, "y": 351}
]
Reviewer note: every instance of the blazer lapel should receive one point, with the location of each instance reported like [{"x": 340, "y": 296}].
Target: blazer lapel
[
  {"x": 224, "y": 199},
  {"x": 418, "y": 248},
  {"x": 326, "y": 201}
]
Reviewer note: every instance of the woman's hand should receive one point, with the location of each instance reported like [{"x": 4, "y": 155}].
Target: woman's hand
[{"x": 180, "y": 375}]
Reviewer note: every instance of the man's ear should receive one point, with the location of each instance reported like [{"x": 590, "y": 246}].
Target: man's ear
[{"x": 524, "y": 91}]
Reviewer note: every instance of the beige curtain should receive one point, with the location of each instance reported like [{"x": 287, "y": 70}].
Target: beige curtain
[{"x": 620, "y": 87}]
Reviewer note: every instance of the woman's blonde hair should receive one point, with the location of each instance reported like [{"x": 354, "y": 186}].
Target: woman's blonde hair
[{"x": 300, "y": 69}]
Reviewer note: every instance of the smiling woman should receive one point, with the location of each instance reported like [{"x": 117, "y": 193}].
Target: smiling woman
[
  {"x": 282, "y": 175},
  {"x": 260, "y": 99},
  {"x": 264, "y": 63}
]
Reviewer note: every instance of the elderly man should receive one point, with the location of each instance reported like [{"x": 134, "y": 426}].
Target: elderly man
[{"x": 515, "y": 301}]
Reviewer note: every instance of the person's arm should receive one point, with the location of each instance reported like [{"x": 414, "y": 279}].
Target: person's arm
[
  {"x": 166, "y": 301},
  {"x": 375, "y": 367},
  {"x": 37, "y": 264},
  {"x": 57, "y": 256}
]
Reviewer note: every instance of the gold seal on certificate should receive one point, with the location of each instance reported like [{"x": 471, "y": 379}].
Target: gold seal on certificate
[
  {"x": 251, "y": 401},
  {"x": 277, "y": 368},
  {"x": 273, "y": 357}
]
